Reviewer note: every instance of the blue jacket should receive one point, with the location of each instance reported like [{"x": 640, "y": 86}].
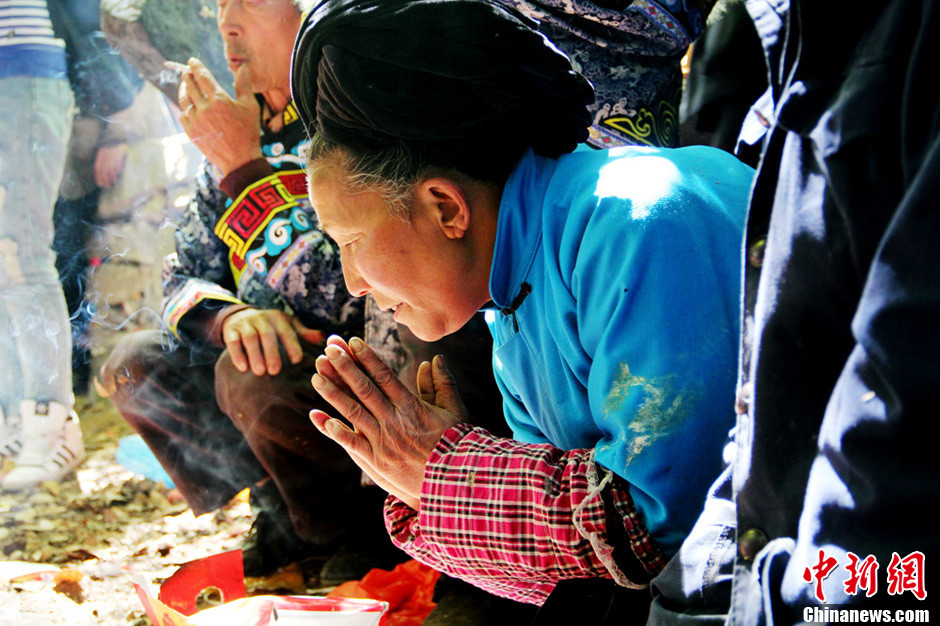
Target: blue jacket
[{"x": 618, "y": 278}]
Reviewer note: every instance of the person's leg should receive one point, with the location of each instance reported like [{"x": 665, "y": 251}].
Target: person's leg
[
  {"x": 32, "y": 156},
  {"x": 73, "y": 219},
  {"x": 166, "y": 393},
  {"x": 35, "y": 383},
  {"x": 320, "y": 486},
  {"x": 10, "y": 378}
]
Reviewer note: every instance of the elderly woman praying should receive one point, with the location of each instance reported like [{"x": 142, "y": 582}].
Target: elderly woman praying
[{"x": 444, "y": 164}]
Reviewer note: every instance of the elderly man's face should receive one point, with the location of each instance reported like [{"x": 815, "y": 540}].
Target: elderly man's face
[
  {"x": 409, "y": 267},
  {"x": 260, "y": 34}
]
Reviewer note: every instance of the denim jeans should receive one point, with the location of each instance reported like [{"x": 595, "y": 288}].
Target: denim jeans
[{"x": 35, "y": 341}]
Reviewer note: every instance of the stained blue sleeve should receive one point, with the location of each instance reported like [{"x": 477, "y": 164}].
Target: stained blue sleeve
[{"x": 658, "y": 312}]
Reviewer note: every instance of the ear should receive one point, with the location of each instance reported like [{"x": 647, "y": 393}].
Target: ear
[{"x": 448, "y": 201}]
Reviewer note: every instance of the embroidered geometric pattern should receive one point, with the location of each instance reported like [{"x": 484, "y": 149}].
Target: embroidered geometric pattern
[
  {"x": 205, "y": 273},
  {"x": 645, "y": 127},
  {"x": 252, "y": 210},
  {"x": 296, "y": 183},
  {"x": 290, "y": 113}
]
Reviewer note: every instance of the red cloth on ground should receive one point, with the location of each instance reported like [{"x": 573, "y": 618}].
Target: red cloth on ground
[{"x": 408, "y": 589}]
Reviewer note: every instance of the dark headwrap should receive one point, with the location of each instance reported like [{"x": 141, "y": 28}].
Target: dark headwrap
[{"x": 468, "y": 84}]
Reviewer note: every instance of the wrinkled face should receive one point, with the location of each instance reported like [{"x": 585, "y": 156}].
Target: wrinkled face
[
  {"x": 409, "y": 267},
  {"x": 259, "y": 34}
]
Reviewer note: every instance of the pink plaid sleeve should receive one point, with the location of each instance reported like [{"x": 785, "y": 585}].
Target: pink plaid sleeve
[{"x": 515, "y": 519}]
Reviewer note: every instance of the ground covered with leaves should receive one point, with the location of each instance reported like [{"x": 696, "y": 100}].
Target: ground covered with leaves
[{"x": 95, "y": 531}]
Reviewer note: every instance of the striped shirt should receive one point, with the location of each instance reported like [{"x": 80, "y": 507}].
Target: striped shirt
[{"x": 28, "y": 44}]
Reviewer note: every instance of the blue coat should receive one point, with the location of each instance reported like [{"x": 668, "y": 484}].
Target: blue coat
[{"x": 617, "y": 275}]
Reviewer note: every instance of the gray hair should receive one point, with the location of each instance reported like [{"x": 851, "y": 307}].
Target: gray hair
[{"x": 392, "y": 172}]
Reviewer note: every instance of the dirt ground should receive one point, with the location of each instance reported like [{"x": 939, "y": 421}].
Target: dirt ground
[{"x": 98, "y": 529}]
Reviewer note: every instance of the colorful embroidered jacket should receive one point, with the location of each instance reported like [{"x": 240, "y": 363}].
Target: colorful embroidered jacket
[
  {"x": 630, "y": 51},
  {"x": 263, "y": 248},
  {"x": 616, "y": 275}
]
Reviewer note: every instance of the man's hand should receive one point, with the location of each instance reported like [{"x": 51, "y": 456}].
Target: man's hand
[
  {"x": 395, "y": 430},
  {"x": 253, "y": 338},
  {"x": 226, "y": 131}
]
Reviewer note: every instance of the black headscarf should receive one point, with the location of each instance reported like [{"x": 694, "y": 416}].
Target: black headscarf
[{"x": 468, "y": 84}]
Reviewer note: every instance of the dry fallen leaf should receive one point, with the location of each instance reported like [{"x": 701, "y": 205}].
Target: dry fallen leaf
[
  {"x": 68, "y": 583},
  {"x": 103, "y": 522}
]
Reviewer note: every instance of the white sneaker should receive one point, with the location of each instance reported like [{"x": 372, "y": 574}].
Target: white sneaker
[
  {"x": 51, "y": 445},
  {"x": 10, "y": 443}
]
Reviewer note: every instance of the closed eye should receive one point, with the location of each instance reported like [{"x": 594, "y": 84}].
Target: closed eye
[{"x": 342, "y": 242}]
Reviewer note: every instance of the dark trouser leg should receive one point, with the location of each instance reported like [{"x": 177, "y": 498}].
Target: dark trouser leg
[
  {"x": 167, "y": 393},
  {"x": 72, "y": 221},
  {"x": 316, "y": 478}
]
